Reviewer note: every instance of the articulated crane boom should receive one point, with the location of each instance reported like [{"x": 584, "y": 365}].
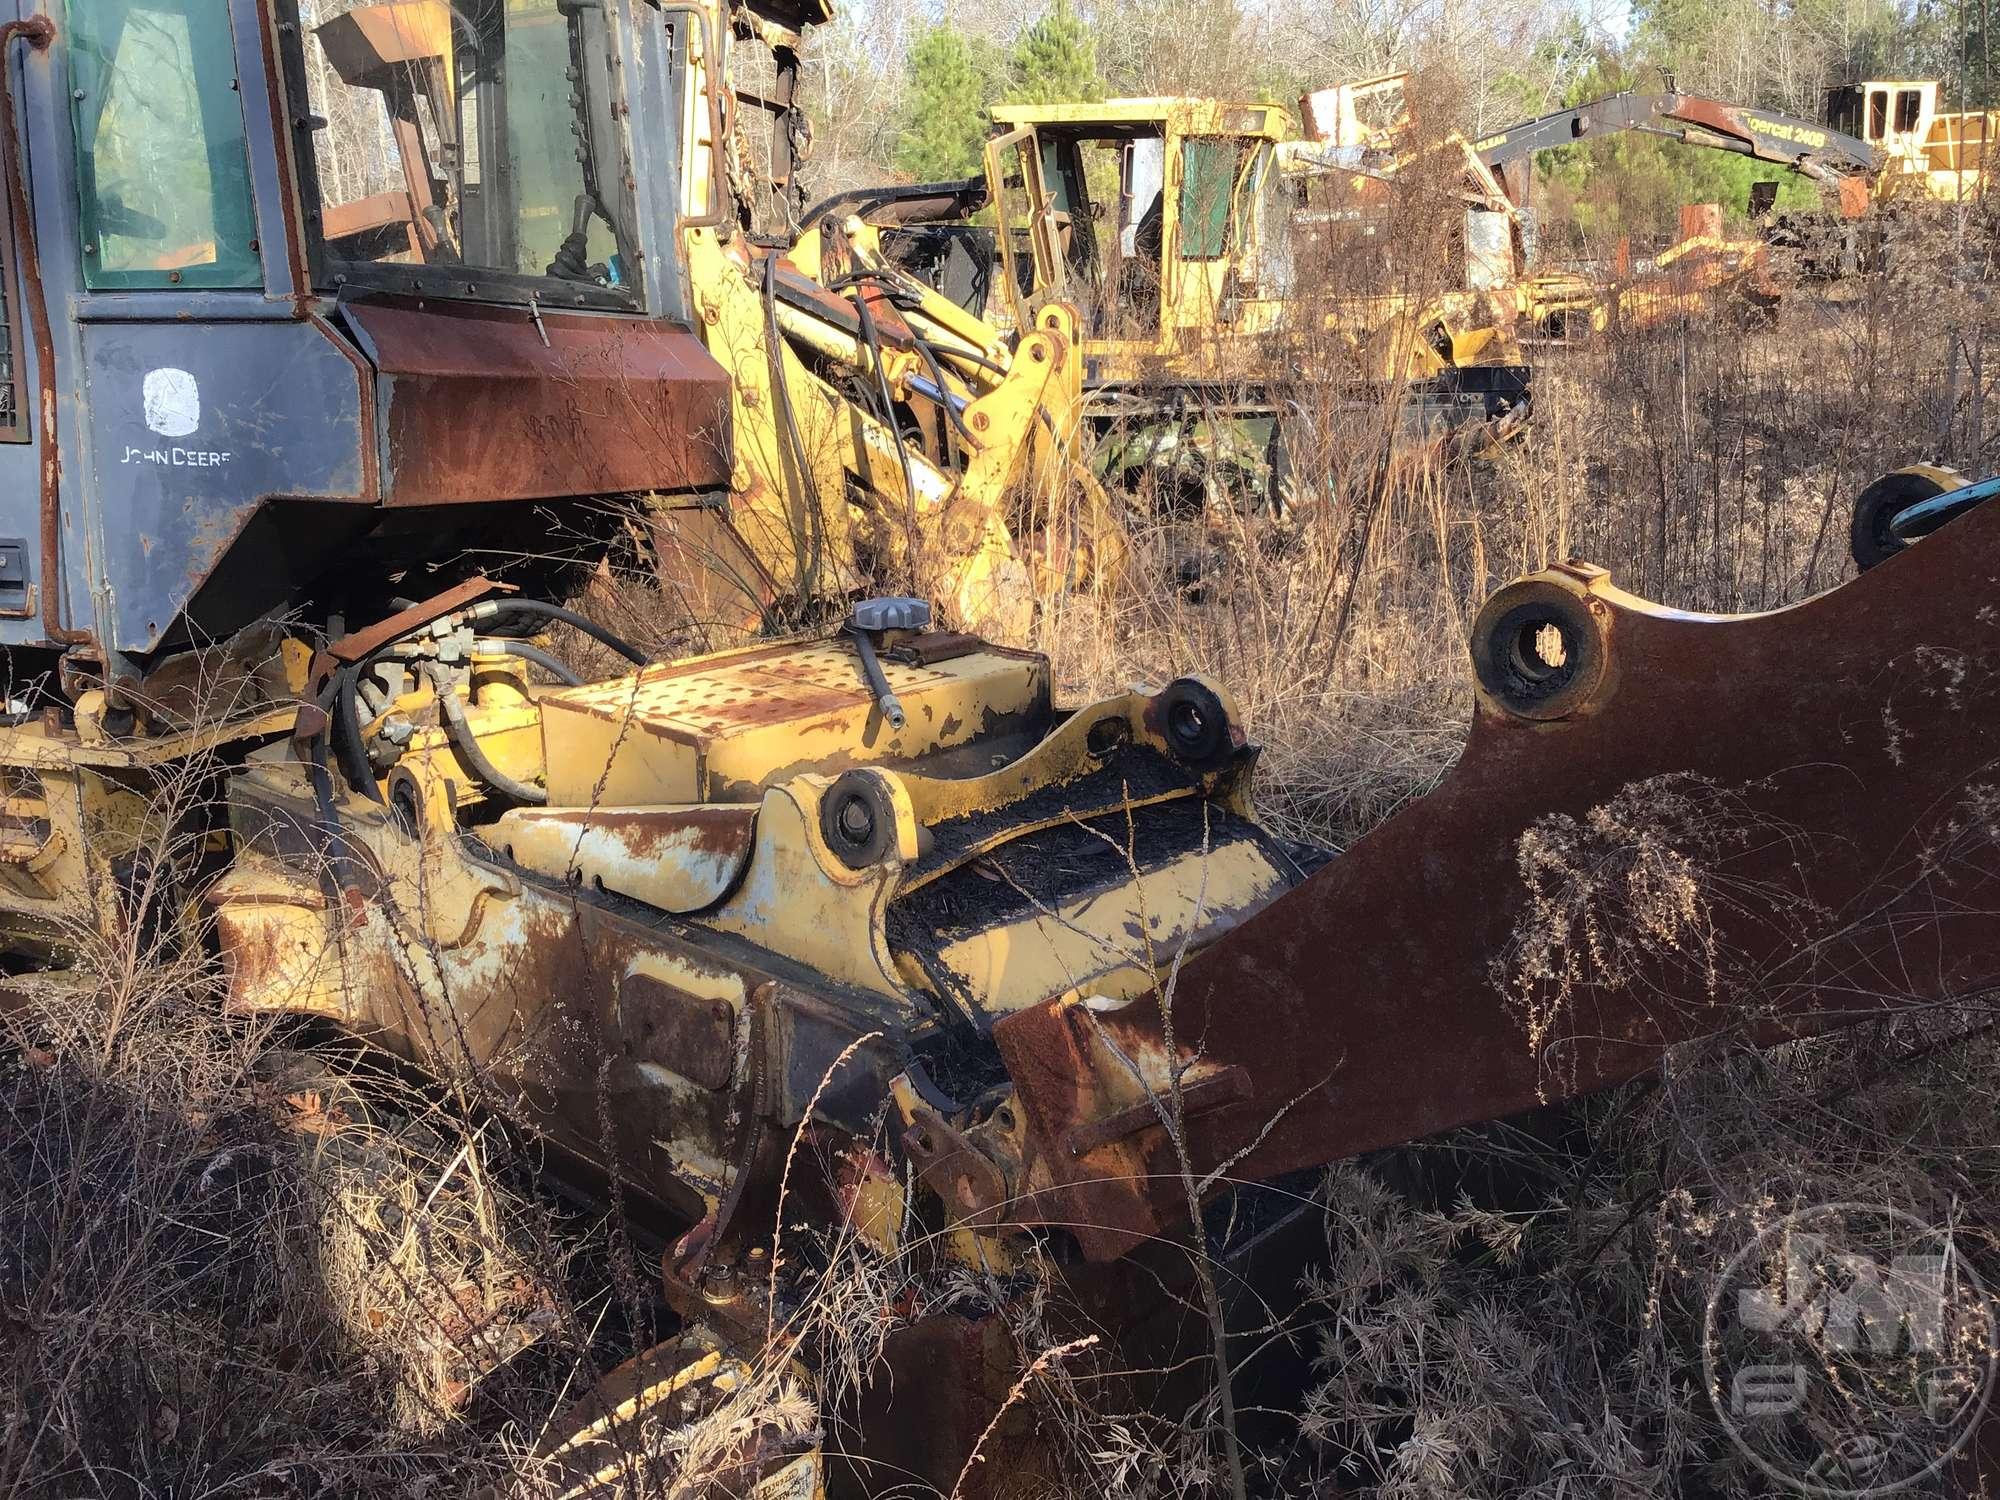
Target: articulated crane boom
[{"x": 1817, "y": 151}]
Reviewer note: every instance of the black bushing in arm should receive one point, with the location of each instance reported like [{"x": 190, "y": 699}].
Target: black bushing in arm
[
  {"x": 1195, "y": 723},
  {"x": 857, "y": 818}
]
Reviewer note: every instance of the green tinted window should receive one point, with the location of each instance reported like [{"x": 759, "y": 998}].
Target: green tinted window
[
  {"x": 1208, "y": 188},
  {"x": 161, "y": 172}
]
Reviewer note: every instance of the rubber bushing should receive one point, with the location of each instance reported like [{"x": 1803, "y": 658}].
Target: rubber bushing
[
  {"x": 1195, "y": 723},
  {"x": 1870, "y": 538},
  {"x": 857, "y": 818}
]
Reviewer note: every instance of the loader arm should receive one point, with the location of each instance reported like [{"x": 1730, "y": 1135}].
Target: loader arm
[
  {"x": 1817, "y": 151},
  {"x": 1824, "y": 778}
]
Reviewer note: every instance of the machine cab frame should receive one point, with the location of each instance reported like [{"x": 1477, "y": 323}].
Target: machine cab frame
[
  {"x": 1141, "y": 211},
  {"x": 275, "y": 268}
]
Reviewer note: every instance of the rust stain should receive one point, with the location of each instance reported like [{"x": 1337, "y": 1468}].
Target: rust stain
[{"x": 479, "y": 410}]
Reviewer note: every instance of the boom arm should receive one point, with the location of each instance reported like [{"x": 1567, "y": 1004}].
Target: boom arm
[
  {"x": 1814, "y": 150},
  {"x": 1799, "y": 807}
]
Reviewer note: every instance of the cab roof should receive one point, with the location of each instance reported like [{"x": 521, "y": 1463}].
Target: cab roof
[{"x": 1119, "y": 119}]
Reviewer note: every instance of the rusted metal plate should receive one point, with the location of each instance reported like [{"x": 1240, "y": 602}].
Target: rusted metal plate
[
  {"x": 679, "y": 859},
  {"x": 475, "y": 406},
  {"x": 692, "y": 1035},
  {"x": 942, "y": 1382},
  {"x": 359, "y": 645},
  {"x": 707, "y": 571},
  {"x": 641, "y": 1051},
  {"x": 1847, "y": 742}
]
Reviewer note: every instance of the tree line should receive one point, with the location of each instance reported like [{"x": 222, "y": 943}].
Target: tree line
[{"x": 905, "y": 93}]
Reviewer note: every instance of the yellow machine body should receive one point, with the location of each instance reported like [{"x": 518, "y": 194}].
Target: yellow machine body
[
  {"x": 1225, "y": 294},
  {"x": 974, "y": 497}
]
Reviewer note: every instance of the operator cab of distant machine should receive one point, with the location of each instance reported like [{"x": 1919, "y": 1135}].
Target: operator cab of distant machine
[
  {"x": 307, "y": 285},
  {"x": 1173, "y": 226},
  {"x": 1091, "y": 210},
  {"x": 1943, "y": 151}
]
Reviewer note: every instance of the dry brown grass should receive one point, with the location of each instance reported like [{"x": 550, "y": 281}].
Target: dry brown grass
[
  {"x": 1708, "y": 466},
  {"x": 226, "y": 1274}
]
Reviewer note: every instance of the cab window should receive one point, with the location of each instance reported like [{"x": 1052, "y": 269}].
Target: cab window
[
  {"x": 471, "y": 148},
  {"x": 1208, "y": 191},
  {"x": 162, "y": 179}
]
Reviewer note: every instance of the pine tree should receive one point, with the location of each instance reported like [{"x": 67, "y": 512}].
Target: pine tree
[
  {"x": 1055, "y": 60},
  {"x": 951, "y": 79}
]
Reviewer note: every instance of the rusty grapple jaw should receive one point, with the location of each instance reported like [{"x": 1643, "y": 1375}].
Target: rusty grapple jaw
[{"x": 1835, "y": 760}]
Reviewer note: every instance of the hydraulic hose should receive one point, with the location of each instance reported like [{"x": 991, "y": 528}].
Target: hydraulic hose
[
  {"x": 491, "y": 609},
  {"x": 889, "y": 404},
  {"x": 955, "y": 419},
  {"x": 466, "y": 744},
  {"x": 348, "y": 746},
  {"x": 878, "y": 681},
  {"x": 332, "y": 839},
  {"x": 904, "y": 301},
  {"x": 555, "y": 666}
]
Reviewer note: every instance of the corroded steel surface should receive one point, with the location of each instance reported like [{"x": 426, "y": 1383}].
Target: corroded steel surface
[
  {"x": 1848, "y": 867},
  {"x": 476, "y": 406},
  {"x": 679, "y": 859},
  {"x": 656, "y": 1058}
]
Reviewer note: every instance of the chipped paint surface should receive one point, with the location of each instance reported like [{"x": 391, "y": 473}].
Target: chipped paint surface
[
  {"x": 1115, "y": 938},
  {"x": 680, "y": 859},
  {"x": 578, "y": 1015},
  {"x": 723, "y": 728},
  {"x": 797, "y": 899}
]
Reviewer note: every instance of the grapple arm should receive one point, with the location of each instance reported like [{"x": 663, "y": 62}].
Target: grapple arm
[
  {"x": 1665, "y": 827},
  {"x": 1818, "y": 151}
]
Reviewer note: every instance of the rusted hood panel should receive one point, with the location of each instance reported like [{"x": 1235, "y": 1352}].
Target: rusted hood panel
[
  {"x": 474, "y": 406},
  {"x": 1852, "y": 743}
]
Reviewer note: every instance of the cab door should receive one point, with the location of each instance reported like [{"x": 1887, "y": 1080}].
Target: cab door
[
  {"x": 1206, "y": 178},
  {"x": 1032, "y": 268}
]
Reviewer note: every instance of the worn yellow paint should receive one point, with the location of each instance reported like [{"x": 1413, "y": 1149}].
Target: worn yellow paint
[
  {"x": 799, "y": 900},
  {"x": 1120, "y": 940},
  {"x": 653, "y": 854},
  {"x": 725, "y": 727},
  {"x": 819, "y": 480}
]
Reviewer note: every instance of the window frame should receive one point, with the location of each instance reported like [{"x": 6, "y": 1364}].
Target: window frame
[
  {"x": 1231, "y": 148},
  {"x": 331, "y": 273},
  {"x": 1025, "y": 151},
  {"x": 23, "y": 430}
]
